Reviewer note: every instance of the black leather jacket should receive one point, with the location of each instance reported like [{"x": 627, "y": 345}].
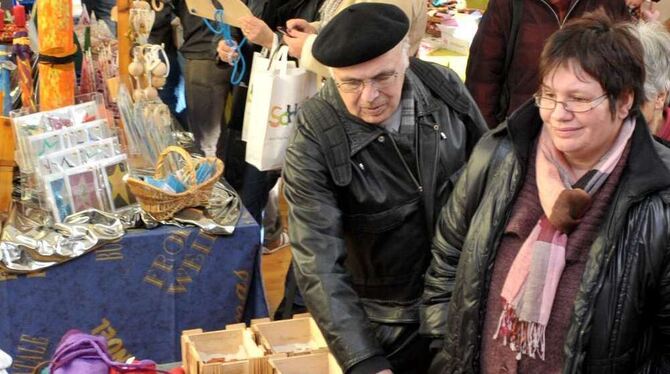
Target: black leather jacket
[
  {"x": 621, "y": 316},
  {"x": 360, "y": 251}
]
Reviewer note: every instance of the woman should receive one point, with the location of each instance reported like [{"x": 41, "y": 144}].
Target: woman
[
  {"x": 655, "y": 40},
  {"x": 559, "y": 226}
]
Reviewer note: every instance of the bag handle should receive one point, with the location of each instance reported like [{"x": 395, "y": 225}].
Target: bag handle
[
  {"x": 281, "y": 57},
  {"x": 189, "y": 167},
  {"x": 276, "y": 43}
]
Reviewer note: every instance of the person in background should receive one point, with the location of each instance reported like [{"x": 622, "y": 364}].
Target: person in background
[
  {"x": 552, "y": 253},
  {"x": 103, "y": 11},
  {"x": 643, "y": 9},
  {"x": 162, "y": 33},
  {"x": 370, "y": 163},
  {"x": 206, "y": 82},
  {"x": 302, "y": 33},
  {"x": 253, "y": 185},
  {"x": 655, "y": 40},
  {"x": 497, "y": 92}
]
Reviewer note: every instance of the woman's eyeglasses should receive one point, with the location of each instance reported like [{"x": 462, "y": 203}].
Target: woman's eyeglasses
[{"x": 573, "y": 106}]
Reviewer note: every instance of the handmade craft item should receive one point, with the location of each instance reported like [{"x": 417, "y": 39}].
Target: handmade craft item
[
  {"x": 56, "y": 40},
  {"x": 23, "y": 56},
  {"x": 57, "y": 83},
  {"x": 6, "y": 67},
  {"x": 55, "y": 28}
]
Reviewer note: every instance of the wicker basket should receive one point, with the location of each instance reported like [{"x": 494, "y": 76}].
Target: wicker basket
[{"x": 163, "y": 205}]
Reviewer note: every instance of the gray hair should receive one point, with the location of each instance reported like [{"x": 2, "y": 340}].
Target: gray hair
[{"x": 655, "y": 40}]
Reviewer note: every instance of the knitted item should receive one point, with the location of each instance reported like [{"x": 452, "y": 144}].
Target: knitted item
[{"x": 530, "y": 287}]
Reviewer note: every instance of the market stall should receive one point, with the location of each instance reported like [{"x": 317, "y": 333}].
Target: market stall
[
  {"x": 140, "y": 293},
  {"x": 109, "y": 224}
]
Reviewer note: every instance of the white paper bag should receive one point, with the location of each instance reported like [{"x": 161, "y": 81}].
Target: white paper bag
[
  {"x": 278, "y": 92},
  {"x": 260, "y": 62}
]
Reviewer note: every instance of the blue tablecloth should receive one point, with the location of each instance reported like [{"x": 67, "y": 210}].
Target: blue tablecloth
[{"x": 140, "y": 293}]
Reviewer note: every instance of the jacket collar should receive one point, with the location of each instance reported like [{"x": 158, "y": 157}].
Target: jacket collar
[
  {"x": 361, "y": 133},
  {"x": 648, "y": 166}
]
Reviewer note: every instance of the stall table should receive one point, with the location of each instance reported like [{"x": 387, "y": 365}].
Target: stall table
[{"x": 139, "y": 292}]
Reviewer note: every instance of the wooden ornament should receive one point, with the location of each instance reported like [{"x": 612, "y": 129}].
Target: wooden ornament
[
  {"x": 137, "y": 4},
  {"x": 135, "y": 68},
  {"x": 158, "y": 82},
  {"x": 138, "y": 94},
  {"x": 160, "y": 69},
  {"x": 150, "y": 93}
]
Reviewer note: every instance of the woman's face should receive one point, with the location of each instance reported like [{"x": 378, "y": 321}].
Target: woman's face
[{"x": 584, "y": 137}]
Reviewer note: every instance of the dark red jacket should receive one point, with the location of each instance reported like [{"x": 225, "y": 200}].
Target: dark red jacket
[{"x": 484, "y": 75}]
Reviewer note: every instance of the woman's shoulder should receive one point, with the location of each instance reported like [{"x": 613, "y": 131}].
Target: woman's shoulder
[{"x": 491, "y": 141}]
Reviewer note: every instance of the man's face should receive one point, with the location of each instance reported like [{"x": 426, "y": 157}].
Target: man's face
[{"x": 372, "y": 90}]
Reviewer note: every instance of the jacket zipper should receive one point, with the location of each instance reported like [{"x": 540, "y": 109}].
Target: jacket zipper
[
  {"x": 567, "y": 15},
  {"x": 436, "y": 129},
  {"x": 418, "y": 185}
]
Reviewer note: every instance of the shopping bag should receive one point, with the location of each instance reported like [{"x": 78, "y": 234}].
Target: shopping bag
[
  {"x": 260, "y": 62},
  {"x": 278, "y": 93},
  {"x": 79, "y": 353}
]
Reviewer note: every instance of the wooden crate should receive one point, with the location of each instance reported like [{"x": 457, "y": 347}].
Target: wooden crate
[
  {"x": 315, "y": 363},
  {"x": 296, "y": 336},
  {"x": 197, "y": 346}
]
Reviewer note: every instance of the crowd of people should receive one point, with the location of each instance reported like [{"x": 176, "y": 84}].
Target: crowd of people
[{"x": 515, "y": 223}]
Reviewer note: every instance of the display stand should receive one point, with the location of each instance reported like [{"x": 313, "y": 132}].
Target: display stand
[
  {"x": 125, "y": 44},
  {"x": 6, "y": 164}
]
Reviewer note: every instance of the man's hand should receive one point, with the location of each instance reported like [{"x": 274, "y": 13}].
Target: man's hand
[
  {"x": 256, "y": 31},
  {"x": 225, "y": 52},
  {"x": 295, "y": 42},
  {"x": 299, "y": 24},
  {"x": 385, "y": 371}
]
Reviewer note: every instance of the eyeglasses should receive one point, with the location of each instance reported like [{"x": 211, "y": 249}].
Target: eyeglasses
[
  {"x": 573, "y": 106},
  {"x": 356, "y": 86}
]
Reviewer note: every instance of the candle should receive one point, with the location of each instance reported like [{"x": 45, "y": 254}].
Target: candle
[{"x": 19, "y": 12}]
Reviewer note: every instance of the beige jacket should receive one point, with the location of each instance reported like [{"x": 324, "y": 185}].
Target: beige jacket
[{"x": 415, "y": 10}]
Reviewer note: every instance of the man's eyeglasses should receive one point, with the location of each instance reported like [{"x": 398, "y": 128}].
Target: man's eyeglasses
[
  {"x": 356, "y": 86},
  {"x": 573, "y": 106}
]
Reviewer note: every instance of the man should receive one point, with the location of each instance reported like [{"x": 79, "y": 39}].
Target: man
[{"x": 373, "y": 157}]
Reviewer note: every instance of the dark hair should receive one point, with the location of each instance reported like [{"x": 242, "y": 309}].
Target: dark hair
[{"x": 606, "y": 50}]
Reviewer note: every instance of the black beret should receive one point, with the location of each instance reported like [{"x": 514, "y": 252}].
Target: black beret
[{"x": 360, "y": 33}]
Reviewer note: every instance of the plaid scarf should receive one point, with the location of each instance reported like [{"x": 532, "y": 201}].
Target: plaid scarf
[{"x": 531, "y": 283}]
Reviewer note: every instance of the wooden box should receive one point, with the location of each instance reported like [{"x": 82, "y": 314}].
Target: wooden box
[
  {"x": 296, "y": 336},
  {"x": 235, "y": 345},
  {"x": 316, "y": 363}
]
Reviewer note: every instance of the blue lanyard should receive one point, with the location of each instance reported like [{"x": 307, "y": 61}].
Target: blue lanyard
[{"x": 239, "y": 65}]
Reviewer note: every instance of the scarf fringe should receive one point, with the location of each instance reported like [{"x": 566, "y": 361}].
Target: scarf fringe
[{"x": 523, "y": 337}]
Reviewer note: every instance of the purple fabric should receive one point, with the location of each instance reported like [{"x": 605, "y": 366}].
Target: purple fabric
[{"x": 79, "y": 353}]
